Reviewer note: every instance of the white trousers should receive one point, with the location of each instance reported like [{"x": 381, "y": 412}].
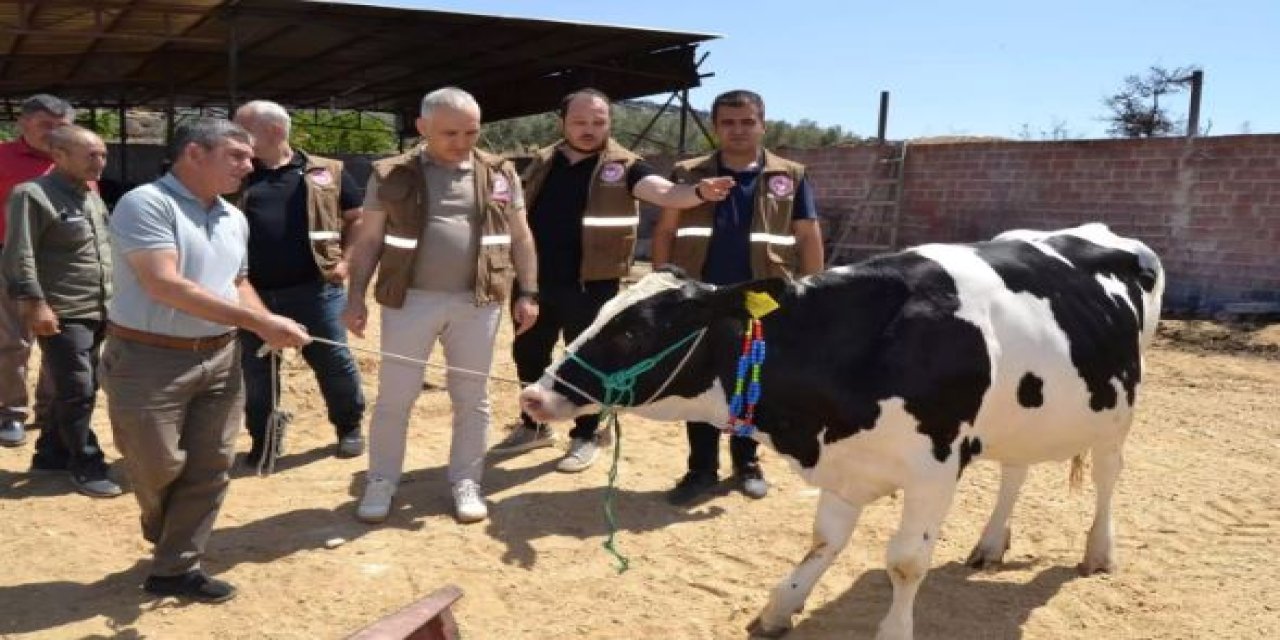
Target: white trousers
[{"x": 467, "y": 333}]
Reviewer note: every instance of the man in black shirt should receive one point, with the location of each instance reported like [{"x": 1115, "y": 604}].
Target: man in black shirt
[
  {"x": 300, "y": 209},
  {"x": 583, "y": 194}
]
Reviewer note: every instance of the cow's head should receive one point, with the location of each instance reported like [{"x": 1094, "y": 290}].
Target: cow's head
[{"x": 675, "y": 334}]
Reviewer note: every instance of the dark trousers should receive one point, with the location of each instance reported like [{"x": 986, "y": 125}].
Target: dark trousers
[
  {"x": 562, "y": 310},
  {"x": 704, "y": 448},
  {"x": 69, "y": 360},
  {"x": 318, "y": 307}
]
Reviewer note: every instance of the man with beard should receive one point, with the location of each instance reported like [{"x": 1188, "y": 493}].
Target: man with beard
[{"x": 583, "y": 193}]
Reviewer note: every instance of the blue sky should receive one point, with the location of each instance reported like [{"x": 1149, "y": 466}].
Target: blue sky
[{"x": 982, "y": 67}]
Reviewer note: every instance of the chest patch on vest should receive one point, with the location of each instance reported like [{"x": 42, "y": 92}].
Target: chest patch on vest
[
  {"x": 781, "y": 186},
  {"x": 321, "y": 176},
  {"x": 501, "y": 189},
  {"x": 612, "y": 172}
]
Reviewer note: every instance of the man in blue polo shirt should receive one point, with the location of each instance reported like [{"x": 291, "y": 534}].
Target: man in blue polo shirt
[
  {"x": 300, "y": 208},
  {"x": 171, "y": 364},
  {"x": 768, "y": 227}
]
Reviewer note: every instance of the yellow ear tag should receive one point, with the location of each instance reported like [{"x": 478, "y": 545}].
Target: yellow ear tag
[{"x": 760, "y": 304}]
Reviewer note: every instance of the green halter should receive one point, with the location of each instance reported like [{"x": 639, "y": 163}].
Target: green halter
[{"x": 620, "y": 391}]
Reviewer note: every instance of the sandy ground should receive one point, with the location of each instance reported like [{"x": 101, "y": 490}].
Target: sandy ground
[{"x": 1198, "y": 518}]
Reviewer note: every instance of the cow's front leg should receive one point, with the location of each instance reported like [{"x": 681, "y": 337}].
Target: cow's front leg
[
  {"x": 831, "y": 530},
  {"x": 995, "y": 537},
  {"x": 925, "y": 504}
]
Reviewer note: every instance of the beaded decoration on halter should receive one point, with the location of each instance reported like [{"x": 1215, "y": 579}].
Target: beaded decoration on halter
[{"x": 746, "y": 387}]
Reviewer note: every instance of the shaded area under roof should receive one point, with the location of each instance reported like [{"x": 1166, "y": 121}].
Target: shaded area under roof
[{"x": 211, "y": 53}]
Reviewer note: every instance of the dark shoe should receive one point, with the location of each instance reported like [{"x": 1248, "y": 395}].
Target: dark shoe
[
  {"x": 45, "y": 467},
  {"x": 350, "y": 445},
  {"x": 692, "y": 486},
  {"x": 750, "y": 481},
  {"x": 193, "y": 585},
  {"x": 12, "y": 433},
  {"x": 95, "y": 483}
]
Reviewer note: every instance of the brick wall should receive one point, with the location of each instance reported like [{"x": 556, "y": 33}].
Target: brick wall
[{"x": 1210, "y": 207}]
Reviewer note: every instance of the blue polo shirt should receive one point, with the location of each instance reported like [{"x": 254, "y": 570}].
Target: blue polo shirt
[
  {"x": 212, "y": 252},
  {"x": 729, "y": 252}
]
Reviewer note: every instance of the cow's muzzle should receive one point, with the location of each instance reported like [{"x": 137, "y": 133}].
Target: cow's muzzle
[{"x": 544, "y": 405}]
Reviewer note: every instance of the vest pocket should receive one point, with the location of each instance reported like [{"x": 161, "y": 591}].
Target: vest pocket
[{"x": 499, "y": 272}]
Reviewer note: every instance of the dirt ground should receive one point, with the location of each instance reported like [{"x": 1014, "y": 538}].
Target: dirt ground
[{"x": 1198, "y": 519}]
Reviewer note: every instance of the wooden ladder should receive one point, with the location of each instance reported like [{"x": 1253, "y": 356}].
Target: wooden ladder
[{"x": 872, "y": 227}]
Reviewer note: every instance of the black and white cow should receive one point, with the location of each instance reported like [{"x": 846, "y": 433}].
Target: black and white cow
[{"x": 896, "y": 373}]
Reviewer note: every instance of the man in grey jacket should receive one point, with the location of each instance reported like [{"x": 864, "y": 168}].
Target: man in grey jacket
[{"x": 57, "y": 266}]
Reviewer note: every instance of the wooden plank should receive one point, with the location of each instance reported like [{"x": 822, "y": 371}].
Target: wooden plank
[{"x": 427, "y": 619}]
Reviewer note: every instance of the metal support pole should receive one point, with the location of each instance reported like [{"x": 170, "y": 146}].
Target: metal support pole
[
  {"x": 233, "y": 66},
  {"x": 644, "y": 132},
  {"x": 882, "y": 124},
  {"x": 684, "y": 120},
  {"x": 1193, "y": 116},
  {"x": 124, "y": 144}
]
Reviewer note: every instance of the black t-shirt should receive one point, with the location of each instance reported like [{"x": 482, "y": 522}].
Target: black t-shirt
[
  {"x": 275, "y": 203},
  {"x": 556, "y": 217}
]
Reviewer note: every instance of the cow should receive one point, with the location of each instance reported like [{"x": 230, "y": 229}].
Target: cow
[{"x": 896, "y": 373}]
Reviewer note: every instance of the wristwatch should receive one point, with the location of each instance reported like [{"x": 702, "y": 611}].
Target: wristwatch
[{"x": 532, "y": 295}]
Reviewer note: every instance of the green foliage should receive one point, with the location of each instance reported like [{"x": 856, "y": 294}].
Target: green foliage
[
  {"x": 343, "y": 132},
  {"x": 1135, "y": 108},
  {"x": 630, "y": 118},
  {"x": 104, "y": 123}
]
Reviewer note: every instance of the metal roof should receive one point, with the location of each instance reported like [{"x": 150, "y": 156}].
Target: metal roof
[{"x": 192, "y": 53}]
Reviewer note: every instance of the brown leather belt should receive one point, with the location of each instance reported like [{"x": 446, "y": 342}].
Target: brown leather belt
[{"x": 170, "y": 342}]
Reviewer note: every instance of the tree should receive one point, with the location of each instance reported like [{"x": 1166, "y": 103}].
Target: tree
[
  {"x": 1135, "y": 109},
  {"x": 321, "y": 131}
]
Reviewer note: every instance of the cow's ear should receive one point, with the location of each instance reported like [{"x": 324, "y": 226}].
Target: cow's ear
[{"x": 758, "y": 297}]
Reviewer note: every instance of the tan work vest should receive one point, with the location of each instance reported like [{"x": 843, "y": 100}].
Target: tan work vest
[
  {"x": 773, "y": 247},
  {"x": 402, "y": 194},
  {"x": 323, "y": 180},
  {"x": 612, "y": 217}
]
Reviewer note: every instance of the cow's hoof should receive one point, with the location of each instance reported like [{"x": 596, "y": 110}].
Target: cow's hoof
[
  {"x": 989, "y": 556},
  {"x": 758, "y": 630},
  {"x": 981, "y": 558},
  {"x": 1091, "y": 567}
]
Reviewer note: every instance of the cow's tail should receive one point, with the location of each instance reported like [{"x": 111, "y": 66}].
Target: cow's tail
[{"x": 1076, "y": 479}]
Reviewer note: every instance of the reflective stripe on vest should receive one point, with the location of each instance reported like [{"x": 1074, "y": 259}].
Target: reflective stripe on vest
[
  {"x": 610, "y": 221},
  {"x": 773, "y": 239},
  {"x": 324, "y": 235},
  {"x": 700, "y": 232},
  {"x": 401, "y": 242},
  {"x": 487, "y": 241}
]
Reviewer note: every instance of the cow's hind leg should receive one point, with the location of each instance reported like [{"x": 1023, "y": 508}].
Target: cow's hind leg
[
  {"x": 995, "y": 537},
  {"x": 831, "y": 530},
  {"x": 910, "y": 551},
  {"x": 1099, "y": 551}
]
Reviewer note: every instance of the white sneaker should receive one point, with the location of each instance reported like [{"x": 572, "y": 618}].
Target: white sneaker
[
  {"x": 469, "y": 505},
  {"x": 376, "y": 502},
  {"x": 581, "y": 454},
  {"x": 522, "y": 439}
]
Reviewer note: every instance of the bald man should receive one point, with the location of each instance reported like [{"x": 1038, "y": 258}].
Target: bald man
[{"x": 58, "y": 267}]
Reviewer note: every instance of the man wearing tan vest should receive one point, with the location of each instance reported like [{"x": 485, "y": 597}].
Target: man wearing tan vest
[
  {"x": 444, "y": 225},
  {"x": 767, "y": 227},
  {"x": 300, "y": 208},
  {"x": 583, "y": 194}
]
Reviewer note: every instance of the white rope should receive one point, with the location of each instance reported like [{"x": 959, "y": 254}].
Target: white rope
[
  {"x": 395, "y": 356},
  {"x": 277, "y": 421}
]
